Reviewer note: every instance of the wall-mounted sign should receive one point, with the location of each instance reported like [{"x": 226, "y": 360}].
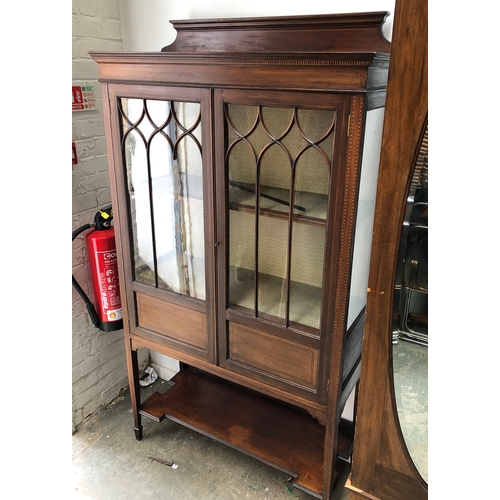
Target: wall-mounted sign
[{"x": 84, "y": 98}]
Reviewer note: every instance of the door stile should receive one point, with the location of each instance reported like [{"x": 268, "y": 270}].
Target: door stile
[
  {"x": 350, "y": 183},
  {"x": 210, "y": 222},
  {"x": 221, "y": 205}
]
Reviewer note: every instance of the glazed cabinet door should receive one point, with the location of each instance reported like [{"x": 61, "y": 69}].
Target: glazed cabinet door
[
  {"x": 279, "y": 177},
  {"x": 164, "y": 192}
]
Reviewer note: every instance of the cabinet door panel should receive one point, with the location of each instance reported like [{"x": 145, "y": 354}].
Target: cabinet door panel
[
  {"x": 275, "y": 357},
  {"x": 276, "y": 204},
  {"x": 173, "y": 321},
  {"x": 164, "y": 178}
]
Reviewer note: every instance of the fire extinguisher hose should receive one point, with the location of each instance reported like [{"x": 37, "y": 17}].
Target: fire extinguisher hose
[{"x": 90, "y": 307}]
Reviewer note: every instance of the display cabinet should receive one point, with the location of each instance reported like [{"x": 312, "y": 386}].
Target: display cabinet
[{"x": 243, "y": 164}]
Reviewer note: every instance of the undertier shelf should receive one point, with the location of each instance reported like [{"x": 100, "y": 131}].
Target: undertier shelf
[{"x": 277, "y": 434}]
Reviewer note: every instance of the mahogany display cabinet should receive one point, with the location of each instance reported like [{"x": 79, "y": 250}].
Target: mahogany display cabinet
[{"x": 243, "y": 163}]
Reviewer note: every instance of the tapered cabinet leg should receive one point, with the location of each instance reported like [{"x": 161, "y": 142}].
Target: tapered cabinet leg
[
  {"x": 138, "y": 430},
  {"x": 135, "y": 390}
]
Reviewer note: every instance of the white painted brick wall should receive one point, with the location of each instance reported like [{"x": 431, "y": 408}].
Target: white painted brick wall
[{"x": 99, "y": 367}]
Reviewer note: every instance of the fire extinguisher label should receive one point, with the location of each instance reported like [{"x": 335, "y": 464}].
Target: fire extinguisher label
[
  {"x": 107, "y": 268},
  {"x": 114, "y": 315}
]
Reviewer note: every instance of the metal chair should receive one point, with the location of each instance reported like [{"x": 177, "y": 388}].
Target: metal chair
[{"x": 414, "y": 287}]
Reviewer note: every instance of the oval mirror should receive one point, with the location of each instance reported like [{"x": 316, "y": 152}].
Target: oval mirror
[{"x": 410, "y": 326}]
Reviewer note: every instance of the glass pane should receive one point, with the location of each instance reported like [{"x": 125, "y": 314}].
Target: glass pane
[
  {"x": 311, "y": 185},
  {"x": 158, "y": 113},
  {"x": 161, "y": 180},
  {"x": 410, "y": 334},
  {"x": 365, "y": 212},
  {"x": 135, "y": 153},
  {"x": 242, "y": 260},
  {"x": 276, "y": 121},
  {"x": 242, "y": 224},
  {"x": 308, "y": 246},
  {"x": 271, "y": 154},
  {"x": 275, "y": 176},
  {"x": 241, "y": 120},
  {"x": 316, "y": 124},
  {"x": 312, "y": 181},
  {"x": 273, "y": 262},
  {"x": 163, "y": 157},
  {"x": 242, "y": 181}
]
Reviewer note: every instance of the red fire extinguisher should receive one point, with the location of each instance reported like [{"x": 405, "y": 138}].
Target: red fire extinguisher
[{"x": 101, "y": 248}]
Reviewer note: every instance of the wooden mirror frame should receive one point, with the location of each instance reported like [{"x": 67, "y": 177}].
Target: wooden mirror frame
[{"x": 382, "y": 468}]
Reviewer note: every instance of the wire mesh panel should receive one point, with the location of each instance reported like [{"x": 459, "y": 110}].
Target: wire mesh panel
[
  {"x": 278, "y": 167},
  {"x": 162, "y": 150}
]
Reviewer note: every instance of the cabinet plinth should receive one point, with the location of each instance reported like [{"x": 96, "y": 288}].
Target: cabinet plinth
[{"x": 243, "y": 169}]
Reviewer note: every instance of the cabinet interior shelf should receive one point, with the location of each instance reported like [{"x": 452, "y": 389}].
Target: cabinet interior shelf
[
  {"x": 272, "y": 297},
  {"x": 280, "y": 435},
  {"x": 308, "y": 207}
]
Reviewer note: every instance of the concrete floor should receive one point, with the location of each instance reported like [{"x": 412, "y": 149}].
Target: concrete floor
[{"x": 110, "y": 464}]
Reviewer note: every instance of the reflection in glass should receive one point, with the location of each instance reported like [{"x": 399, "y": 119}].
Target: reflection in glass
[
  {"x": 162, "y": 153},
  {"x": 410, "y": 331},
  {"x": 278, "y": 164}
]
